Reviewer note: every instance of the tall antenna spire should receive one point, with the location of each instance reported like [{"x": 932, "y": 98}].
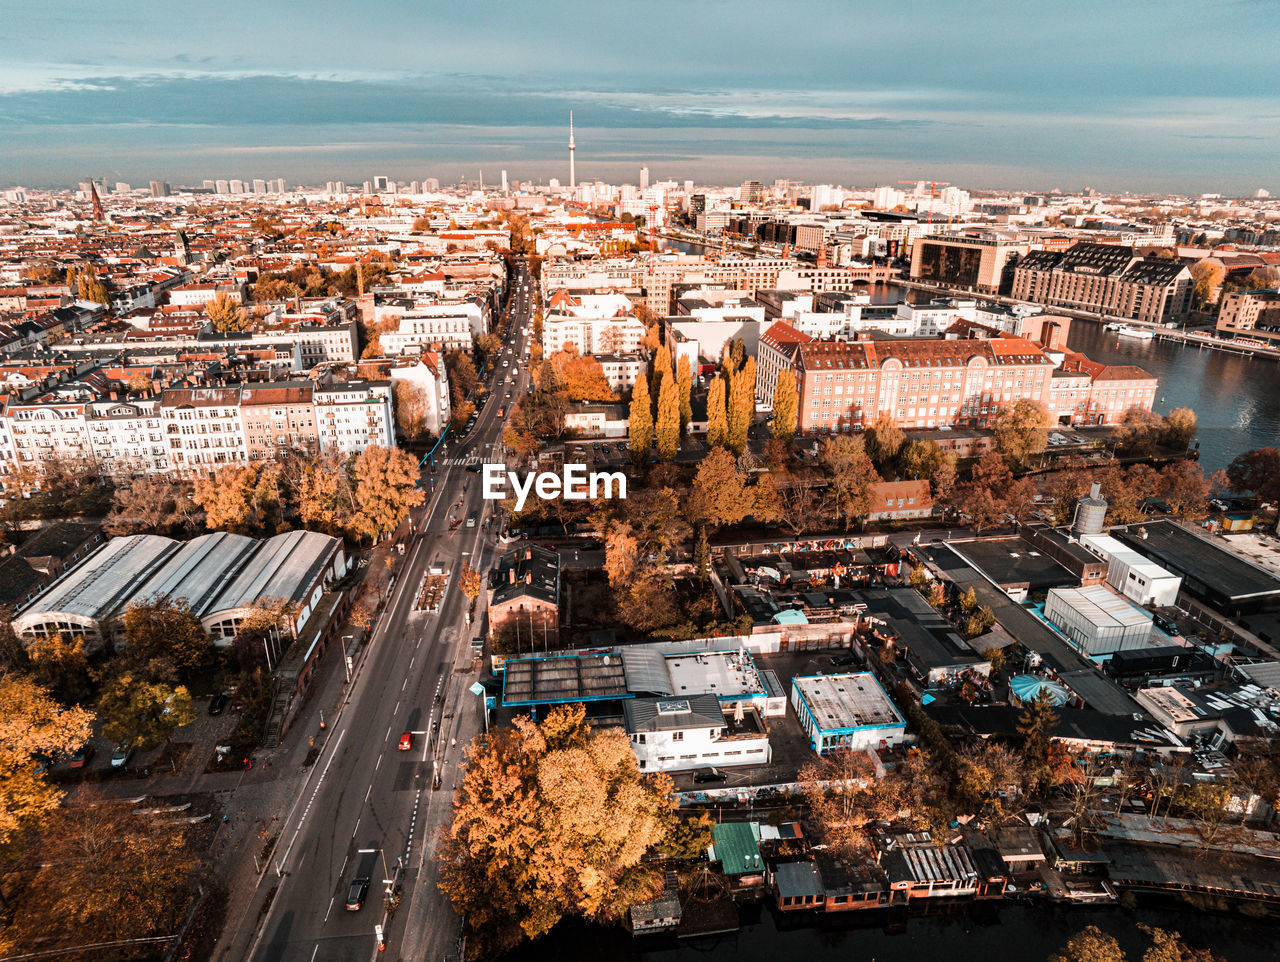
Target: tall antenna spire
[{"x": 573, "y": 183}]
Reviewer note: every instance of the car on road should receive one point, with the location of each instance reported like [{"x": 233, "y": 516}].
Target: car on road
[
  {"x": 406, "y": 742},
  {"x": 120, "y": 757},
  {"x": 711, "y": 776},
  {"x": 473, "y": 468},
  {"x": 218, "y": 704},
  {"x": 81, "y": 758},
  {"x": 471, "y": 520},
  {"x": 356, "y": 894}
]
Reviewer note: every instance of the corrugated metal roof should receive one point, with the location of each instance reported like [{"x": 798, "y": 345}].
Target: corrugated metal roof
[
  {"x": 646, "y": 671},
  {"x": 930, "y": 863},
  {"x": 672, "y": 714},
  {"x": 737, "y": 847},
  {"x": 284, "y": 566},
  {"x": 107, "y": 578},
  {"x": 197, "y": 571}
]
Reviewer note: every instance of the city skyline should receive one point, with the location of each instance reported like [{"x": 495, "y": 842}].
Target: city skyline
[{"x": 1125, "y": 100}]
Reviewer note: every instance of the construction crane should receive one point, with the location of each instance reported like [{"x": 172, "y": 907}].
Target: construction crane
[{"x": 933, "y": 185}]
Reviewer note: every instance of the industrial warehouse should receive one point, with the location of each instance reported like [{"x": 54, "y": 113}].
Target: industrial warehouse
[{"x": 220, "y": 576}]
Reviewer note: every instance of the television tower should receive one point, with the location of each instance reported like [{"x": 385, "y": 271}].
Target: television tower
[{"x": 573, "y": 183}]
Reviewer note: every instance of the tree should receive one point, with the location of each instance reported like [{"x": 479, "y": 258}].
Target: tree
[
  {"x": 851, "y": 473},
  {"x": 1090, "y": 944},
  {"x": 785, "y": 407},
  {"x": 720, "y": 492},
  {"x": 167, "y": 628},
  {"x": 89, "y": 287},
  {"x": 270, "y": 288},
  {"x": 550, "y": 819},
  {"x": 143, "y": 712},
  {"x": 326, "y": 499},
  {"x": 702, "y": 556},
  {"x": 668, "y": 433},
  {"x": 226, "y": 315},
  {"x": 411, "y": 408},
  {"x": 1021, "y": 430},
  {"x": 386, "y": 487},
  {"x": 582, "y": 377},
  {"x": 717, "y": 414},
  {"x": 979, "y": 622},
  {"x": 684, "y": 391},
  {"x": 742, "y": 405},
  {"x": 102, "y": 873},
  {"x": 944, "y": 483},
  {"x": 982, "y": 499},
  {"x": 920, "y": 459},
  {"x": 884, "y": 439},
  {"x": 1179, "y": 428},
  {"x": 1207, "y": 275},
  {"x": 1185, "y": 489},
  {"x": 621, "y": 554},
  {"x": 1257, "y": 471},
  {"x": 32, "y": 724},
  {"x": 470, "y": 582},
  {"x": 1035, "y": 724},
  {"x": 227, "y": 497},
  {"x": 660, "y": 371},
  {"x": 689, "y": 837},
  {"x": 640, "y": 429}
]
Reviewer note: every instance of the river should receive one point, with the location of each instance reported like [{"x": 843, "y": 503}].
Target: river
[{"x": 1009, "y": 933}]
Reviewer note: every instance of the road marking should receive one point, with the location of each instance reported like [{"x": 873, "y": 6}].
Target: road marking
[
  {"x": 356, "y": 829},
  {"x": 402, "y": 688},
  {"x": 326, "y": 918},
  {"x": 366, "y": 798},
  {"x": 388, "y": 731},
  {"x": 377, "y": 763},
  {"x": 397, "y": 711},
  {"x": 411, "y": 661},
  {"x": 303, "y": 817}
]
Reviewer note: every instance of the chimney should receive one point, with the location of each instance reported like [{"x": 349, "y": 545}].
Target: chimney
[
  {"x": 1095, "y": 490},
  {"x": 511, "y": 576}
]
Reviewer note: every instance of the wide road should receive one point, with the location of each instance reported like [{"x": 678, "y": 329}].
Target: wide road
[{"x": 367, "y": 808}]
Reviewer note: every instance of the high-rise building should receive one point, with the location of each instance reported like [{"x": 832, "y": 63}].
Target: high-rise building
[
  {"x": 237, "y": 186},
  {"x": 259, "y": 185},
  {"x": 221, "y": 187},
  {"x": 159, "y": 188},
  {"x": 340, "y": 187},
  {"x": 751, "y": 192},
  {"x": 277, "y": 185},
  {"x": 573, "y": 182},
  {"x": 644, "y": 178},
  {"x": 415, "y": 187},
  {"x": 432, "y": 183},
  {"x": 381, "y": 183},
  {"x": 368, "y": 187},
  {"x": 504, "y": 183},
  {"x": 207, "y": 185},
  {"x": 122, "y": 187}
]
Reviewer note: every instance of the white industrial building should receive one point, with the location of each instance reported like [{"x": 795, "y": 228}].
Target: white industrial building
[
  {"x": 681, "y": 734},
  {"x": 1097, "y": 620},
  {"x": 848, "y": 711},
  {"x": 219, "y": 576},
  {"x": 1133, "y": 575}
]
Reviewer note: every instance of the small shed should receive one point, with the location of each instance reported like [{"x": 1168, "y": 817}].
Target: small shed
[
  {"x": 798, "y": 886},
  {"x": 659, "y": 915},
  {"x": 736, "y": 846}
]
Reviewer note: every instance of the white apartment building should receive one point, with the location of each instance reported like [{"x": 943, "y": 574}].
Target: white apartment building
[
  {"x": 127, "y": 437},
  {"x": 44, "y": 432},
  {"x": 203, "y": 428},
  {"x": 591, "y": 335},
  {"x": 429, "y": 375},
  {"x": 354, "y": 415},
  {"x": 197, "y": 294},
  {"x": 682, "y": 734},
  {"x": 623, "y": 370},
  {"x": 440, "y": 326}
]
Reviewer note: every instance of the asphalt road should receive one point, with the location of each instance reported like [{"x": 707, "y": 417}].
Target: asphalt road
[{"x": 368, "y": 809}]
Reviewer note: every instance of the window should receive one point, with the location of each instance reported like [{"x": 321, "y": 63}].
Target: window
[{"x": 677, "y": 736}]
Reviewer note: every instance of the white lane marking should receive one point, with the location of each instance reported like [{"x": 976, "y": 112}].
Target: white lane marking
[
  {"x": 285, "y": 858},
  {"x": 377, "y": 763},
  {"x": 356, "y": 829},
  {"x": 369, "y": 792}
]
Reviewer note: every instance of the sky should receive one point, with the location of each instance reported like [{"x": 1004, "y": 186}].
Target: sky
[{"x": 1141, "y": 95}]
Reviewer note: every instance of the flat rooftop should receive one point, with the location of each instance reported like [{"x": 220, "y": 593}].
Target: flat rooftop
[
  {"x": 564, "y": 678},
  {"x": 1102, "y": 606},
  {"x": 1012, "y": 561},
  {"x": 847, "y": 701},
  {"x": 725, "y": 674},
  {"x": 1224, "y": 573}
]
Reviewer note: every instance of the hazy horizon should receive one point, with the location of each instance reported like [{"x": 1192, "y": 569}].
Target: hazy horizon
[{"x": 1118, "y": 97}]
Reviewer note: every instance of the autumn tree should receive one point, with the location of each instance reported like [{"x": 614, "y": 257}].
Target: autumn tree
[
  {"x": 470, "y": 582},
  {"x": 101, "y": 873},
  {"x": 226, "y": 315},
  {"x": 326, "y": 497},
  {"x": 410, "y": 401},
  {"x": 385, "y": 482},
  {"x": 640, "y": 429},
  {"x": 742, "y": 405},
  {"x": 89, "y": 287},
  {"x": 717, "y": 414},
  {"x": 884, "y": 439},
  {"x": 166, "y": 628},
  {"x": 720, "y": 492},
  {"x": 1090, "y": 944},
  {"x": 983, "y": 498},
  {"x": 1035, "y": 724},
  {"x": 1021, "y": 430},
  {"x": 143, "y": 711},
  {"x": 32, "y": 724},
  {"x": 844, "y": 797},
  {"x": 851, "y": 472},
  {"x": 684, "y": 392},
  {"x": 1179, "y": 428},
  {"x": 702, "y": 556},
  {"x": 1207, "y": 275},
  {"x": 582, "y": 377},
  {"x": 660, "y": 371},
  {"x": 226, "y": 497},
  {"x": 668, "y": 432},
  {"x": 147, "y": 505},
  {"x": 550, "y": 820},
  {"x": 785, "y": 407},
  {"x": 920, "y": 459},
  {"x": 1185, "y": 489},
  {"x": 1257, "y": 471}
]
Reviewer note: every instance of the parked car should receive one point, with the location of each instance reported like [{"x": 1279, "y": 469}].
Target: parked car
[
  {"x": 120, "y": 757},
  {"x": 218, "y": 704},
  {"x": 406, "y": 742},
  {"x": 81, "y": 758},
  {"x": 355, "y": 895},
  {"x": 710, "y": 776}
]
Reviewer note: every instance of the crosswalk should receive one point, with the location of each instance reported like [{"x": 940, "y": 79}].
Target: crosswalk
[{"x": 460, "y": 462}]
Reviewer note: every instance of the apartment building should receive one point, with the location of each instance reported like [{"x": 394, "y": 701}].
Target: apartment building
[
  {"x": 429, "y": 375},
  {"x": 590, "y": 324},
  {"x": 127, "y": 437},
  {"x": 440, "y": 327},
  {"x": 278, "y": 417},
  {"x": 203, "y": 427},
  {"x": 354, "y": 415},
  {"x": 776, "y": 354},
  {"x": 45, "y": 432},
  {"x": 1105, "y": 279},
  {"x": 1250, "y": 314},
  {"x": 967, "y": 263}
]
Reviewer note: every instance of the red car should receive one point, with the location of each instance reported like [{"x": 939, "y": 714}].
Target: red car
[
  {"x": 406, "y": 742},
  {"x": 81, "y": 758}
]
